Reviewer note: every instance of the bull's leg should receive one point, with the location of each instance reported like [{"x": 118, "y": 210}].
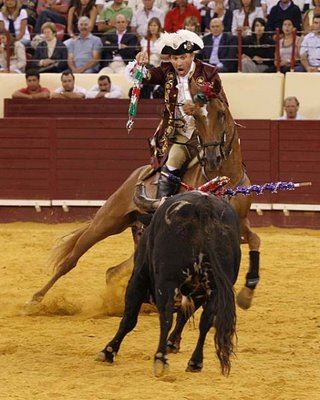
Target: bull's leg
[
  {"x": 136, "y": 293},
  {"x": 173, "y": 343},
  {"x": 195, "y": 363},
  {"x": 244, "y": 297},
  {"x": 165, "y": 305}
]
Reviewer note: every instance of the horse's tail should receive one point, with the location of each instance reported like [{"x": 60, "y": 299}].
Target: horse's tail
[
  {"x": 225, "y": 313},
  {"x": 62, "y": 249}
]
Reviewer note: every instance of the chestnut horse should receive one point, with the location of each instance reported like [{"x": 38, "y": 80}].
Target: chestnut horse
[{"x": 218, "y": 153}]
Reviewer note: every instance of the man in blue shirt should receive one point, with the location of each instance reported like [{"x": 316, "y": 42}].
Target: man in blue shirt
[{"x": 84, "y": 52}]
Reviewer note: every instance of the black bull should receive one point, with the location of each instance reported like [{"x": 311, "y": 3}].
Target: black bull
[{"x": 188, "y": 256}]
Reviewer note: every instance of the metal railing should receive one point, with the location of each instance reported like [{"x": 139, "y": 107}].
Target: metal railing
[{"x": 240, "y": 46}]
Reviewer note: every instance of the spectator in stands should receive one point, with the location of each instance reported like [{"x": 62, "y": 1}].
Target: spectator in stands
[
  {"x": 119, "y": 47},
  {"x": 258, "y": 49},
  {"x": 266, "y": 6},
  {"x": 104, "y": 89},
  {"x": 310, "y": 49},
  {"x": 308, "y": 16},
  {"x": 15, "y": 20},
  {"x": 244, "y": 17},
  {"x": 84, "y": 51},
  {"x": 192, "y": 24},
  {"x": 218, "y": 11},
  {"x": 141, "y": 18},
  {"x": 150, "y": 42},
  {"x": 174, "y": 18},
  {"x": 285, "y": 9},
  {"x": 31, "y": 7},
  {"x": 68, "y": 90},
  {"x": 291, "y": 107},
  {"x": 220, "y": 48},
  {"x": 51, "y": 11},
  {"x": 107, "y": 18},
  {"x": 33, "y": 89},
  {"x": 17, "y": 53},
  {"x": 50, "y": 55},
  {"x": 286, "y": 43},
  {"x": 81, "y": 8}
]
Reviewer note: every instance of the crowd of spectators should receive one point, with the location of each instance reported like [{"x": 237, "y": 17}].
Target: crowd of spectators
[{"x": 87, "y": 36}]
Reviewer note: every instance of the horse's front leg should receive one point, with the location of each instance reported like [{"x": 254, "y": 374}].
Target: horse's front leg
[{"x": 244, "y": 297}]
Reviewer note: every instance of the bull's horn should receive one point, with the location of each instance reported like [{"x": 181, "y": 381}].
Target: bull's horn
[{"x": 141, "y": 200}]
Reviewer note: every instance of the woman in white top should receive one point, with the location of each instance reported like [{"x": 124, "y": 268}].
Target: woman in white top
[
  {"x": 244, "y": 17},
  {"x": 14, "y": 19},
  {"x": 17, "y": 54},
  {"x": 149, "y": 43},
  {"x": 286, "y": 43}
]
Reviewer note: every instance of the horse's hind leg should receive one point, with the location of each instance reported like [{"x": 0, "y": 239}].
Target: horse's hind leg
[
  {"x": 66, "y": 255},
  {"x": 244, "y": 297}
]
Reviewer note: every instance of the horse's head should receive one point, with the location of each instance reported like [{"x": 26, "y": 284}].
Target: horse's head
[{"x": 215, "y": 131}]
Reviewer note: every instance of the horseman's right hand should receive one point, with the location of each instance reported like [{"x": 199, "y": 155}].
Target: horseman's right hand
[{"x": 142, "y": 58}]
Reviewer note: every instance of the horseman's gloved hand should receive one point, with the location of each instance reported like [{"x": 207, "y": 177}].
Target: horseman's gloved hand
[
  {"x": 190, "y": 108},
  {"x": 142, "y": 58}
]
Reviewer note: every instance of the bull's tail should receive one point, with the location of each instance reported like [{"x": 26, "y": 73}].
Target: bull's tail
[
  {"x": 64, "y": 246},
  {"x": 225, "y": 314}
]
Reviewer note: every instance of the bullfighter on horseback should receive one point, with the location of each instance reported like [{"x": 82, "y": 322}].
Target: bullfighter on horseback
[{"x": 178, "y": 122}]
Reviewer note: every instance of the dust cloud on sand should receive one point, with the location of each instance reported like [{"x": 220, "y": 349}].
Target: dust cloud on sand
[{"x": 48, "y": 352}]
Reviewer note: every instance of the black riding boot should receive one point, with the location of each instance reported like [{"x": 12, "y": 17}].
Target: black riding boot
[{"x": 166, "y": 187}]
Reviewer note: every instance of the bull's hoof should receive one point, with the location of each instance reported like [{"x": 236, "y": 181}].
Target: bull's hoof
[
  {"x": 107, "y": 355},
  {"x": 194, "y": 366},
  {"x": 244, "y": 298},
  {"x": 172, "y": 347},
  {"x": 160, "y": 368},
  {"x": 160, "y": 365}
]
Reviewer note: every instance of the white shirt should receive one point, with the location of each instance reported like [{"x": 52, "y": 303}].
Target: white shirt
[
  {"x": 238, "y": 19},
  {"x": 285, "y": 117},
  {"x": 155, "y": 58},
  {"x": 76, "y": 89},
  {"x": 311, "y": 46},
  {"x": 184, "y": 96},
  {"x": 115, "y": 92},
  {"x": 17, "y": 23},
  {"x": 140, "y": 19}
]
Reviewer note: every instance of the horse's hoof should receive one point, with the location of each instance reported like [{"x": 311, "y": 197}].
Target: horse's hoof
[
  {"x": 194, "y": 366},
  {"x": 160, "y": 368},
  {"x": 36, "y": 298},
  {"x": 244, "y": 298},
  {"x": 172, "y": 348}
]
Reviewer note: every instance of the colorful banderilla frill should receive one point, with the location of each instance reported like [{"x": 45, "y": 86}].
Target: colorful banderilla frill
[
  {"x": 215, "y": 186},
  {"x": 138, "y": 76}
]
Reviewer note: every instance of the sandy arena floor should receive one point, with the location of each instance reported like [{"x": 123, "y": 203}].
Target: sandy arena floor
[{"x": 50, "y": 354}]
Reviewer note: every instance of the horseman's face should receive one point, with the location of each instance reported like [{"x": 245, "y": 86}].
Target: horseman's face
[{"x": 182, "y": 63}]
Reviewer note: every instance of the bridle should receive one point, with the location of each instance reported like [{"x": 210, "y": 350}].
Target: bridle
[{"x": 199, "y": 147}]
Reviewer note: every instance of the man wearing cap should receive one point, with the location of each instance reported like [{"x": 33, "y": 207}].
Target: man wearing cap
[{"x": 177, "y": 77}]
